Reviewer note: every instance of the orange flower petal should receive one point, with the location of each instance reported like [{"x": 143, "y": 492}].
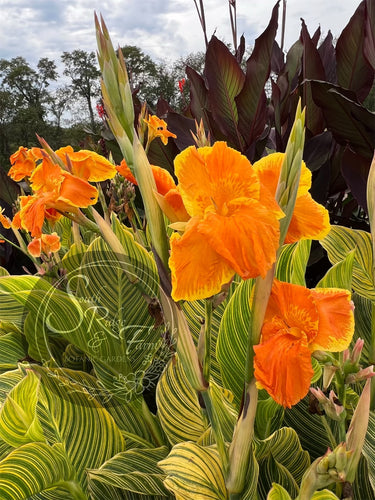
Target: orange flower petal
[
  {"x": 125, "y": 171},
  {"x": 47, "y": 176},
  {"x": 293, "y": 307},
  {"x": 4, "y": 220},
  {"x": 91, "y": 166},
  {"x": 35, "y": 247},
  {"x": 32, "y": 214},
  {"x": 75, "y": 192},
  {"x": 173, "y": 206},
  {"x": 197, "y": 270},
  {"x": 309, "y": 220},
  {"x": 163, "y": 179},
  {"x": 194, "y": 181},
  {"x": 268, "y": 169},
  {"x": 248, "y": 246},
  {"x": 50, "y": 243},
  {"x": 336, "y": 319},
  {"x": 23, "y": 164},
  {"x": 283, "y": 367},
  {"x": 212, "y": 176}
]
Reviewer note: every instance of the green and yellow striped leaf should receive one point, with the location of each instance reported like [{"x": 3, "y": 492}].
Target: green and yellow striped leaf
[
  {"x": 179, "y": 412},
  {"x": 69, "y": 414},
  {"x": 133, "y": 470},
  {"x": 19, "y": 423},
  {"x": 277, "y": 492},
  {"x": 281, "y": 459},
  {"x": 306, "y": 425},
  {"x": 35, "y": 467},
  {"x": 340, "y": 274},
  {"x": 194, "y": 472},
  {"x": 369, "y": 451},
  {"x": 233, "y": 338},
  {"x": 3, "y": 272},
  {"x": 13, "y": 348},
  {"x": 292, "y": 262},
  {"x": 339, "y": 243}
]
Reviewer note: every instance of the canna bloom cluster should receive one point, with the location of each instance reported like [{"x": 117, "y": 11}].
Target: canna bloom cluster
[{"x": 60, "y": 185}]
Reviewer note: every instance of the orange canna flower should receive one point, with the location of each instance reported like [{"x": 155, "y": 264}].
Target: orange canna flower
[
  {"x": 47, "y": 243},
  {"x": 299, "y": 321},
  {"x": 233, "y": 227},
  {"x": 168, "y": 195},
  {"x": 158, "y": 128},
  {"x": 55, "y": 191},
  {"x": 87, "y": 165},
  {"x": 310, "y": 220},
  {"x": 23, "y": 162}
]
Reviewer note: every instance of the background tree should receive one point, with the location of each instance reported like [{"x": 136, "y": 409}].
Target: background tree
[{"x": 81, "y": 67}]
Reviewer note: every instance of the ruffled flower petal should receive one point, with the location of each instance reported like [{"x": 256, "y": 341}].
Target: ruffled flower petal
[
  {"x": 293, "y": 307},
  {"x": 249, "y": 247},
  {"x": 310, "y": 220},
  {"x": 4, "y": 220},
  {"x": 283, "y": 367},
  {"x": 75, "y": 192},
  {"x": 23, "y": 163},
  {"x": 197, "y": 270},
  {"x": 87, "y": 165},
  {"x": 173, "y": 206},
  {"x": 336, "y": 319},
  {"x": 32, "y": 214}
]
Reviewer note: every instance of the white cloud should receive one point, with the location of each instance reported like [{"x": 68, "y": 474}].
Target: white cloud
[{"x": 164, "y": 29}]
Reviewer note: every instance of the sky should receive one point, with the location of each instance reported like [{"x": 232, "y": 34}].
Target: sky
[{"x": 163, "y": 29}]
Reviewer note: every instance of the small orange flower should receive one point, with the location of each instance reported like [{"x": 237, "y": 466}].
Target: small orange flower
[
  {"x": 299, "y": 321},
  {"x": 4, "y": 220},
  {"x": 158, "y": 128},
  {"x": 87, "y": 165},
  {"x": 47, "y": 243},
  {"x": 234, "y": 224},
  {"x": 310, "y": 220},
  {"x": 23, "y": 163}
]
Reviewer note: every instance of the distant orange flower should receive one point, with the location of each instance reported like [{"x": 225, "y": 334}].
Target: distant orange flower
[
  {"x": 299, "y": 321},
  {"x": 23, "y": 162},
  {"x": 234, "y": 224},
  {"x": 54, "y": 190},
  {"x": 47, "y": 243},
  {"x": 310, "y": 220},
  {"x": 158, "y": 128},
  {"x": 167, "y": 194},
  {"x": 87, "y": 165},
  {"x": 4, "y": 220}
]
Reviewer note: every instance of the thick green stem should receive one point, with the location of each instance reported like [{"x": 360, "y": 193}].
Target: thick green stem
[
  {"x": 216, "y": 428},
  {"x": 241, "y": 446},
  {"x": 207, "y": 340},
  {"x": 74, "y": 489},
  {"x": 331, "y": 437}
]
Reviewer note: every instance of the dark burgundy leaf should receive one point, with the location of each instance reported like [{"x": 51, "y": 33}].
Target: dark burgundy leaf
[
  {"x": 312, "y": 68},
  {"x": 350, "y": 123},
  {"x": 316, "y": 37},
  {"x": 9, "y": 190},
  {"x": 198, "y": 95},
  {"x": 317, "y": 150},
  {"x": 369, "y": 41},
  {"x": 182, "y": 127},
  {"x": 353, "y": 69},
  {"x": 251, "y": 101},
  {"x": 277, "y": 58},
  {"x": 225, "y": 80},
  {"x": 328, "y": 56},
  {"x": 240, "y": 49},
  {"x": 355, "y": 169}
]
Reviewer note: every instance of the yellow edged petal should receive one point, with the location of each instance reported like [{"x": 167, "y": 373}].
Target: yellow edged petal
[
  {"x": 197, "y": 270},
  {"x": 336, "y": 319}
]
